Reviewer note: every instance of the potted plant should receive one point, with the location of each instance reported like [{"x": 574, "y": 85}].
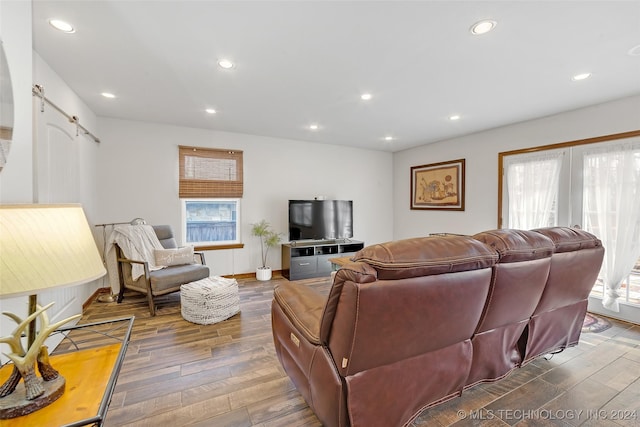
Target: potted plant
[{"x": 268, "y": 239}]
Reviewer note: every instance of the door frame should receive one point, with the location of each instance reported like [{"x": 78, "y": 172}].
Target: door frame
[{"x": 502, "y": 155}]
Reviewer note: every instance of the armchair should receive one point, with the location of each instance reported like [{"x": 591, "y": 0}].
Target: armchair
[{"x": 158, "y": 281}]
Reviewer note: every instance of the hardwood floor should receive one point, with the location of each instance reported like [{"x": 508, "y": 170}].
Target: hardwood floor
[{"x": 178, "y": 373}]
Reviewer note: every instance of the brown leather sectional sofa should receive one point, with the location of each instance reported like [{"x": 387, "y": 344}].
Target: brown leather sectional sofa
[{"x": 413, "y": 323}]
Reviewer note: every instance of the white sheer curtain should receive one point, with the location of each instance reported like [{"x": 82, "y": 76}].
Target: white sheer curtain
[
  {"x": 532, "y": 188},
  {"x": 612, "y": 211}
]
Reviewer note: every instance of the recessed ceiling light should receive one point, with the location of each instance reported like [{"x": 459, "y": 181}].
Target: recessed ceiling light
[
  {"x": 634, "y": 51},
  {"x": 365, "y": 96},
  {"x": 65, "y": 27},
  {"x": 210, "y": 111},
  {"x": 388, "y": 138},
  {"x": 108, "y": 95},
  {"x": 581, "y": 76},
  {"x": 482, "y": 27},
  {"x": 313, "y": 126},
  {"x": 225, "y": 63},
  {"x": 454, "y": 117}
]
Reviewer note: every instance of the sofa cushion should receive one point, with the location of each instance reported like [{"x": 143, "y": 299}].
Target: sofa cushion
[
  {"x": 517, "y": 245},
  {"x": 170, "y": 278},
  {"x": 568, "y": 239},
  {"x": 177, "y": 256},
  {"x": 423, "y": 256}
]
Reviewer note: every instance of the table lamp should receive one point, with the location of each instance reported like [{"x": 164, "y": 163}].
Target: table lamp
[{"x": 41, "y": 247}]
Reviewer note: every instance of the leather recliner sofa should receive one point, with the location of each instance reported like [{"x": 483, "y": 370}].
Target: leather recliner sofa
[{"x": 413, "y": 323}]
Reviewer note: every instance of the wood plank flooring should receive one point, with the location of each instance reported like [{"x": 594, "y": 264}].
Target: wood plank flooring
[{"x": 178, "y": 373}]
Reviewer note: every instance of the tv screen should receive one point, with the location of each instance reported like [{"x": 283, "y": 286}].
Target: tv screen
[{"x": 320, "y": 219}]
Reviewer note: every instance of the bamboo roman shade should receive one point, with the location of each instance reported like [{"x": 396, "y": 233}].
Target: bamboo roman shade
[{"x": 210, "y": 172}]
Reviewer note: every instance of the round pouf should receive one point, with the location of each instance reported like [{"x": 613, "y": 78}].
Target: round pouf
[{"x": 209, "y": 300}]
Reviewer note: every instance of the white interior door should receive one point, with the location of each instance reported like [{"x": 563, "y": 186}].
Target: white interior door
[
  {"x": 57, "y": 177},
  {"x": 57, "y": 167}
]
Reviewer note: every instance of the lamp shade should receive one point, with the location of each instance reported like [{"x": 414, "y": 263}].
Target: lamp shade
[{"x": 44, "y": 247}]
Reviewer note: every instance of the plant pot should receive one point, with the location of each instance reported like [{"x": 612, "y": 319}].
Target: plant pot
[{"x": 263, "y": 273}]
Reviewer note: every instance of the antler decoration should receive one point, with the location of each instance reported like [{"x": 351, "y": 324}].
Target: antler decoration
[{"x": 24, "y": 361}]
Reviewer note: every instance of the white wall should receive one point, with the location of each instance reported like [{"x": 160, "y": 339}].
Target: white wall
[
  {"x": 481, "y": 153},
  {"x": 16, "y": 183},
  {"x": 16, "y": 178},
  {"x": 138, "y": 177}
]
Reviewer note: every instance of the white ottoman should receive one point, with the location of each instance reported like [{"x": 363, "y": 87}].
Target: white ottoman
[{"x": 209, "y": 300}]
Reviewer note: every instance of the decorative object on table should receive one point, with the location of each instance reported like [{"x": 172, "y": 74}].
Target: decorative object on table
[
  {"x": 438, "y": 186},
  {"x": 268, "y": 239},
  {"x": 43, "y": 247},
  {"x": 209, "y": 300}
]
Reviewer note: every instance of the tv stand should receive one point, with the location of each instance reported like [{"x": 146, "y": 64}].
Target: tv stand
[
  {"x": 310, "y": 258},
  {"x": 299, "y": 243}
]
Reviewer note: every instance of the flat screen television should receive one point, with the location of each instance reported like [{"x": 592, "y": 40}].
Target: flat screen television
[{"x": 320, "y": 219}]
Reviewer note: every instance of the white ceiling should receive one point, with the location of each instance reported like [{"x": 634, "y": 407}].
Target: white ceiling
[{"x": 307, "y": 62}]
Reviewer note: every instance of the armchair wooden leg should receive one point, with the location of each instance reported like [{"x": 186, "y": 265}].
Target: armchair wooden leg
[
  {"x": 120, "y": 294},
  {"x": 152, "y": 306}
]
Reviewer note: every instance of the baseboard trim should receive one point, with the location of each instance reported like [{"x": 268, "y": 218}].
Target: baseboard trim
[
  {"x": 94, "y": 296},
  {"x": 102, "y": 291},
  {"x": 276, "y": 274}
]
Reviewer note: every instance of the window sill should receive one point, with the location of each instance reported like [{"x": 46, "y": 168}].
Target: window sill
[{"x": 218, "y": 247}]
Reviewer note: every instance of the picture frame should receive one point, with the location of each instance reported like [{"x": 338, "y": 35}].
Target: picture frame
[{"x": 438, "y": 186}]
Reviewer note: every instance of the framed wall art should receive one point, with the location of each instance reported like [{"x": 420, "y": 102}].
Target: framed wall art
[{"x": 438, "y": 186}]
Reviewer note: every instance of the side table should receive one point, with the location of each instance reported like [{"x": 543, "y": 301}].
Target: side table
[
  {"x": 89, "y": 358},
  {"x": 336, "y": 263}
]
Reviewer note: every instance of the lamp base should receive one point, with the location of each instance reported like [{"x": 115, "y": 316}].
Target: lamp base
[{"x": 16, "y": 404}]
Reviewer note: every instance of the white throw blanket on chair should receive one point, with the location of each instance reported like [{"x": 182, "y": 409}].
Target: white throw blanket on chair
[{"x": 137, "y": 243}]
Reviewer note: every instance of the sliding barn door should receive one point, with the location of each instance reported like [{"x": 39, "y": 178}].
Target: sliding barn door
[{"x": 57, "y": 180}]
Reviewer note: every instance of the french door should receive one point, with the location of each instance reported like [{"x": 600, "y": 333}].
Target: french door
[{"x": 594, "y": 186}]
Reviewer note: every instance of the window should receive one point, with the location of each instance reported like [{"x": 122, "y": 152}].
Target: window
[
  {"x": 211, "y": 221},
  {"x": 210, "y": 187},
  {"x": 611, "y": 210},
  {"x": 598, "y": 189},
  {"x": 532, "y": 183}
]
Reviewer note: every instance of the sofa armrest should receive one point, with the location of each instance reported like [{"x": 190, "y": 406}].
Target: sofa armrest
[{"x": 303, "y": 307}]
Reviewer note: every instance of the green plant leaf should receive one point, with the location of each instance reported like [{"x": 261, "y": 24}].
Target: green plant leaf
[{"x": 268, "y": 238}]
